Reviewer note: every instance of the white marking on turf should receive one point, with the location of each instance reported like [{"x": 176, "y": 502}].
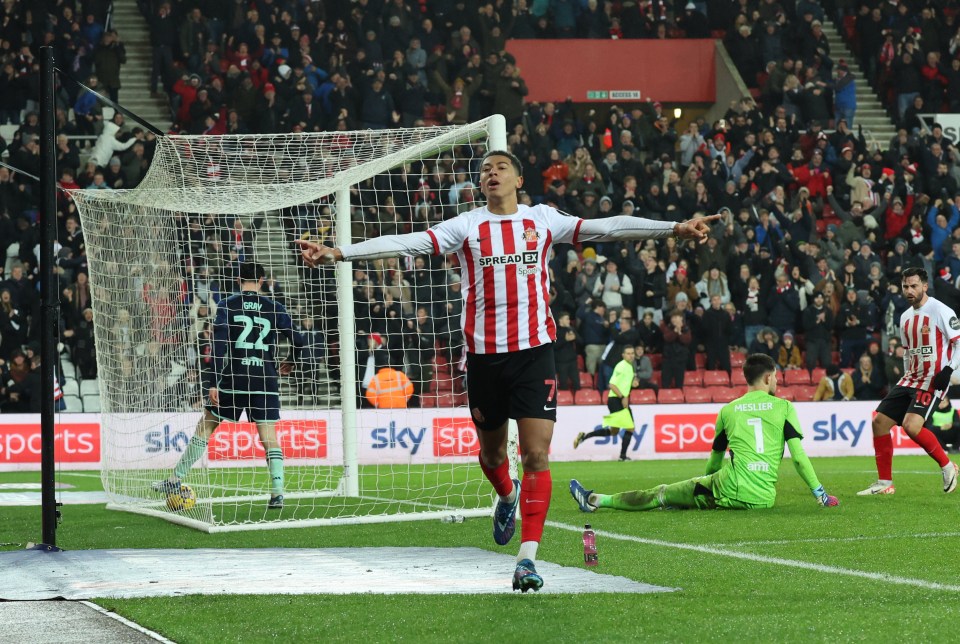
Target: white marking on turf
[
  {"x": 778, "y": 561},
  {"x": 32, "y": 486},
  {"x": 68, "y": 498},
  {"x": 782, "y": 542},
  {"x": 82, "y": 574},
  {"x": 126, "y": 622}
]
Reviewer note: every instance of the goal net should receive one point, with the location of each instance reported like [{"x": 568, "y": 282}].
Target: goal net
[{"x": 164, "y": 257}]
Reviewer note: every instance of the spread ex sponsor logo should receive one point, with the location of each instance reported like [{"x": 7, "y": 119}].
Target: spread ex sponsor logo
[
  {"x": 73, "y": 443},
  {"x": 455, "y": 437},
  {"x": 298, "y": 439},
  {"x": 684, "y": 432}
]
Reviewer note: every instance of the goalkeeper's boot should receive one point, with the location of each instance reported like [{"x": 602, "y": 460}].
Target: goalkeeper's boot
[
  {"x": 878, "y": 488},
  {"x": 525, "y": 577},
  {"x": 581, "y": 496},
  {"x": 276, "y": 502},
  {"x": 950, "y": 478},
  {"x": 579, "y": 439},
  {"x": 505, "y": 518},
  {"x": 167, "y": 486}
]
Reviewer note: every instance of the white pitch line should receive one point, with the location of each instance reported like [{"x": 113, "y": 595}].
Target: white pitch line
[
  {"x": 777, "y": 561},
  {"x": 782, "y": 542},
  {"x": 126, "y": 622}
]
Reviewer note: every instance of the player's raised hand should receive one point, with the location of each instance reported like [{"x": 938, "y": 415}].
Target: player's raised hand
[
  {"x": 316, "y": 254},
  {"x": 697, "y": 229},
  {"x": 286, "y": 368},
  {"x": 214, "y": 396}
]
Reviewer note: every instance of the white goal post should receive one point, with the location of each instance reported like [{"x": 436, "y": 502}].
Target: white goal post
[{"x": 163, "y": 258}]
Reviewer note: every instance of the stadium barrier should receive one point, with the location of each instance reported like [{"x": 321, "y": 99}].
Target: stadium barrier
[{"x": 423, "y": 436}]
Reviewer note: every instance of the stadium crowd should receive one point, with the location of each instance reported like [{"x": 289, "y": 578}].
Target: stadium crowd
[{"x": 818, "y": 218}]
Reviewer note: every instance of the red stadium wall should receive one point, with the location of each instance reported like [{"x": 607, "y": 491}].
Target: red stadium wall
[{"x": 675, "y": 71}]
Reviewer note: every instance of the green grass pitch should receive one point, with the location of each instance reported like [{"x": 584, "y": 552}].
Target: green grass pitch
[{"x": 908, "y": 541}]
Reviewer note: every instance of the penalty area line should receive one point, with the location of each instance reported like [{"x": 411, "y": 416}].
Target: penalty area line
[{"x": 777, "y": 561}]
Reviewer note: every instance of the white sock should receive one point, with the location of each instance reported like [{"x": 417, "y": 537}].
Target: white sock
[
  {"x": 510, "y": 498},
  {"x": 885, "y": 482},
  {"x": 528, "y": 550},
  {"x": 948, "y": 467}
]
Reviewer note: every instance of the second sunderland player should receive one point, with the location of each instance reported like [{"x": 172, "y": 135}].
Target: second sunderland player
[{"x": 930, "y": 332}]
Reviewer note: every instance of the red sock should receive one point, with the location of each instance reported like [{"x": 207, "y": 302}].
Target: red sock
[
  {"x": 883, "y": 447},
  {"x": 535, "y": 493},
  {"x": 929, "y": 442},
  {"x": 499, "y": 477}
]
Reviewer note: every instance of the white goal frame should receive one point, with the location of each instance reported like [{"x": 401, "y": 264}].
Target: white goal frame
[{"x": 175, "y": 192}]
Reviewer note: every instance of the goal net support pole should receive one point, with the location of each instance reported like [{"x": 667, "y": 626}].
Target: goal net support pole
[{"x": 348, "y": 348}]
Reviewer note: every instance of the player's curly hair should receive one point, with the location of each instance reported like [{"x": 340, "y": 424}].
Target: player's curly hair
[
  {"x": 756, "y": 366},
  {"x": 514, "y": 160},
  {"x": 915, "y": 271}
]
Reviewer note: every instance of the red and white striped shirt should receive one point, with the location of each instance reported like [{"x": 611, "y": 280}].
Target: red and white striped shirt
[
  {"x": 503, "y": 266},
  {"x": 927, "y": 334}
]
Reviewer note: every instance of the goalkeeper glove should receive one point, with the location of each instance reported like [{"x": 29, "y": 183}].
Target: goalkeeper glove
[
  {"x": 825, "y": 499},
  {"x": 941, "y": 381}
]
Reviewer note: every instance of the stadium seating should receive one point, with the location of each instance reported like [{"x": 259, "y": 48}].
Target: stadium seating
[
  {"x": 817, "y": 375},
  {"x": 429, "y": 401},
  {"x": 797, "y": 377},
  {"x": 70, "y": 387},
  {"x": 693, "y": 379},
  {"x": 564, "y": 397},
  {"x": 643, "y": 397},
  {"x": 700, "y": 360},
  {"x": 804, "y": 393},
  {"x": 737, "y": 358},
  {"x": 587, "y": 397},
  {"x": 91, "y": 404},
  {"x": 73, "y": 403},
  {"x": 725, "y": 394},
  {"x": 656, "y": 360},
  {"x": 89, "y": 388},
  {"x": 586, "y": 380},
  {"x": 737, "y": 379},
  {"x": 696, "y": 395},
  {"x": 716, "y": 378},
  {"x": 69, "y": 371},
  {"x": 670, "y": 396},
  {"x": 786, "y": 393}
]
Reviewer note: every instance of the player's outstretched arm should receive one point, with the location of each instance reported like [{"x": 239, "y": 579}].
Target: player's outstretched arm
[
  {"x": 316, "y": 254},
  {"x": 805, "y": 469},
  {"x": 625, "y": 227}
]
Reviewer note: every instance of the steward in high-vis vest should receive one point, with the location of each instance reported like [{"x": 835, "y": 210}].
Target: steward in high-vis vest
[{"x": 390, "y": 389}]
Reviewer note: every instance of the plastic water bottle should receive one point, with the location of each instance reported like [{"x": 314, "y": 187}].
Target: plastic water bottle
[
  {"x": 452, "y": 518},
  {"x": 589, "y": 546}
]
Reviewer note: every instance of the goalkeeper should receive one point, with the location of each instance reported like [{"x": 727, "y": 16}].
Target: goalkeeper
[
  {"x": 754, "y": 428},
  {"x": 245, "y": 377}
]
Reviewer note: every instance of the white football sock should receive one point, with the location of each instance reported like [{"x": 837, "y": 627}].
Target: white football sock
[{"x": 528, "y": 550}]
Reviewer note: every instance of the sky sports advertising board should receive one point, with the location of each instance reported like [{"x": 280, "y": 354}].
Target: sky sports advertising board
[{"x": 414, "y": 436}]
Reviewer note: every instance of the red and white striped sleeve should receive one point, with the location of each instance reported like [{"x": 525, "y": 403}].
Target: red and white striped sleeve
[{"x": 448, "y": 236}]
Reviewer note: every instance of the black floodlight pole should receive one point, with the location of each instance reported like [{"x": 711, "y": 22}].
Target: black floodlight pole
[{"x": 50, "y": 302}]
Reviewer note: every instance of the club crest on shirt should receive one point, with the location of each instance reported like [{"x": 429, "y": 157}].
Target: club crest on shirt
[
  {"x": 955, "y": 323},
  {"x": 924, "y": 329},
  {"x": 530, "y": 235}
]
